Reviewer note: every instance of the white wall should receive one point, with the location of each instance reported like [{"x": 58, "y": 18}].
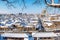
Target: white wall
[{"x": 25, "y": 38}]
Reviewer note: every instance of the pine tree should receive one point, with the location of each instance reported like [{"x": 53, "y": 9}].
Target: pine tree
[{"x": 40, "y": 26}]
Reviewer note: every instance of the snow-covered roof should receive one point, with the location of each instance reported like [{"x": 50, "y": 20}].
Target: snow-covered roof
[
  {"x": 8, "y": 24},
  {"x": 29, "y": 26},
  {"x": 53, "y": 15},
  {"x": 47, "y": 20},
  {"x": 49, "y": 24},
  {"x": 33, "y": 21},
  {"x": 3, "y": 26},
  {"x": 52, "y": 20},
  {"x": 44, "y": 34},
  {"x": 34, "y": 18},
  {"x": 56, "y": 20},
  {"x": 58, "y": 34},
  {"x": 15, "y": 35}
]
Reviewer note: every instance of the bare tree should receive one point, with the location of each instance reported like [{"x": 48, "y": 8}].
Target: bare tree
[
  {"x": 37, "y": 2},
  {"x": 8, "y": 3},
  {"x": 11, "y": 4},
  {"x": 53, "y": 4},
  {"x": 24, "y": 4}
]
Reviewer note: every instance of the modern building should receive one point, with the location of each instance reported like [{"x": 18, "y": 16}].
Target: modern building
[
  {"x": 44, "y": 36},
  {"x": 14, "y": 36}
]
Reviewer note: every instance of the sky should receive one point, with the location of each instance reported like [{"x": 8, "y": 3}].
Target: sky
[{"x": 31, "y": 8}]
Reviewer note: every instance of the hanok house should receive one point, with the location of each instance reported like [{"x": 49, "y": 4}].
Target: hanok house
[
  {"x": 58, "y": 36},
  {"x": 14, "y": 36},
  {"x": 44, "y": 36},
  {"x": 57, "y": 23},
  {"x": 49, "y": 25}
]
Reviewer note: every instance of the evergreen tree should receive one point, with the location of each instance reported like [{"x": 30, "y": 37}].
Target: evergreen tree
[{"x": 40, "y": 26}]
